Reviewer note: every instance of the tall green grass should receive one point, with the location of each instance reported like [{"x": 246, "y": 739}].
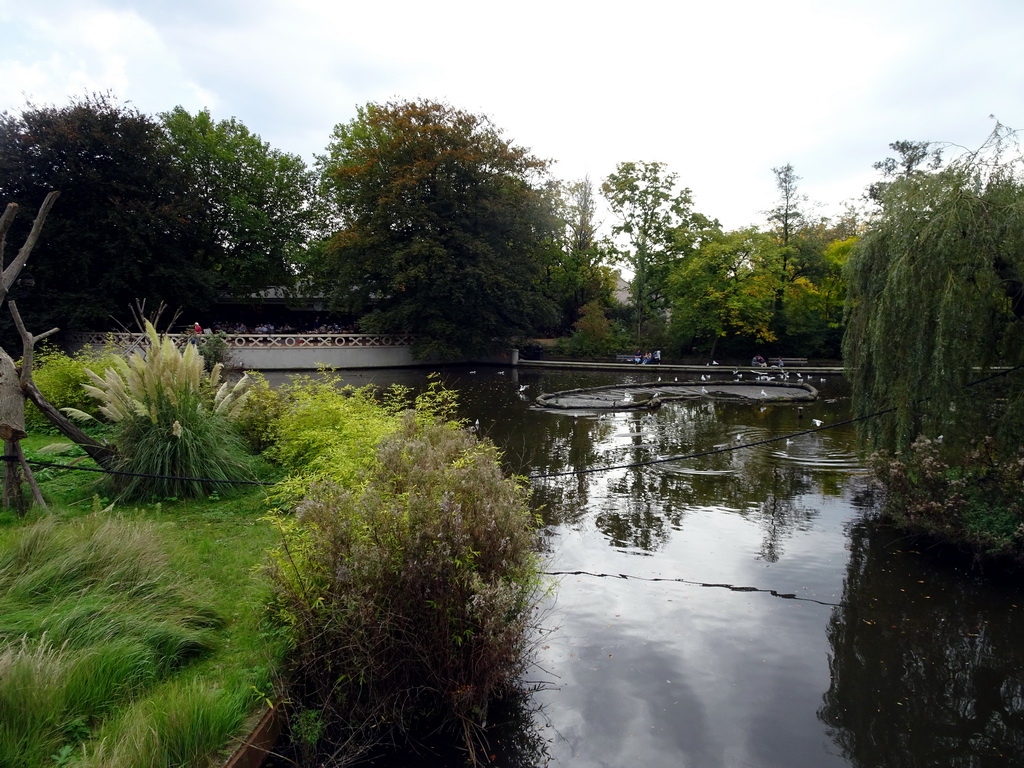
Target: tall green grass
[{"x": 96, "y": 626}]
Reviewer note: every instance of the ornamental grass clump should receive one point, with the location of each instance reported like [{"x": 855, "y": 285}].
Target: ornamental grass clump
[
  {"x": 411, "y": 601},
  {"x": 173, "y": 422},
  {"x": 93, "y": 617}
]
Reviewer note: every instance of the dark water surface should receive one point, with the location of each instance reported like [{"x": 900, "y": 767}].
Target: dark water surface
[{"x": 737, "y": 610}]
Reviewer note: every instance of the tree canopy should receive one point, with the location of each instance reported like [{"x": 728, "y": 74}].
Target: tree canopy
[
  {"x": 936, "y": 301},
  {"x": 444, "y": 227},
  {"x": 121, "y": 229},
  {"x": 726, "y": 288},
  {"x": 255, "y": 206},
  {"x": 660, "y": 225}
]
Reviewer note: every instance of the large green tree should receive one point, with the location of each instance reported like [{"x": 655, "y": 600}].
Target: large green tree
[
  {"x": 445, "y": 226},
  {"x": 256, "y": 206},
  {"x": 936, "y": 301},
  {"x": 121, "y": 228},
  {"x": 659, "y": 226},
  {"x": 726, "y": 288}
]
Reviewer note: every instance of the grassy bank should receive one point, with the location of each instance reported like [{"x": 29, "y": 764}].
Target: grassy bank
[{"x": 130, "y": 635}]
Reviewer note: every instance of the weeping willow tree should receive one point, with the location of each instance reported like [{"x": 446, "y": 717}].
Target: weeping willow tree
[{"x": 936, "y": 303}]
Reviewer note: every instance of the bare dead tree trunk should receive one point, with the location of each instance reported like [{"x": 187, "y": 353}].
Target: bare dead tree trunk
[
  {"x": 102, "y": 453},
  {"x": 17, "y": 385}
]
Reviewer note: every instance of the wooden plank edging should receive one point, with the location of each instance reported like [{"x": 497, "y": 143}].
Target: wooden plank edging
[{"x": 254, "y": 750}]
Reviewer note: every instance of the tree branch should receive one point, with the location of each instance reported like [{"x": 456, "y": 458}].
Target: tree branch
[
  {"x": 5, "y": 224},
  {"x": 101, "y": 453},
  {"x": 10, "y": 273}
]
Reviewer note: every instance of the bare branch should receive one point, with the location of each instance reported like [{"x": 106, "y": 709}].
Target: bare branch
[
  {"x": 10, "y": 273},
  {"x": 28, "y": 342},
  {"x": 5, "y": 224}
]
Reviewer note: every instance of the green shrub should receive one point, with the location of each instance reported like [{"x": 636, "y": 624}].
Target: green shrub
[
  {"x": 410, "y": 596},
  {"x": 318, "y": 430},
  {"x": 975, "y": 503},
  {"x": 61, "y": 378},
  {"x": 264, "y": 407},
  {"x": 173, "y": 423},
  {"x": 214, "y": 349}
]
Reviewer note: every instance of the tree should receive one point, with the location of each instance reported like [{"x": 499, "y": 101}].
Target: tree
[
  {"x": 936, "y": 300},
  {"x": 256, "y": 206},
  {"x": 726, "y": 288},
  {"x": 786, "y": 215},
  {"x": 577, "y": 275},
  {"x": 445, "y": 225},
  {"x": 123, "y": 226},
  {"x": 659, "y": 224}
]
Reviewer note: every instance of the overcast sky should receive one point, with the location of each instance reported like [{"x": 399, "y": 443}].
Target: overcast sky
[{"x": 720, "y": 91}]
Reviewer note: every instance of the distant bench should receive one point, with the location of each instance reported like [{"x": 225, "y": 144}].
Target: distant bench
[{"x": 793, "y": 360}]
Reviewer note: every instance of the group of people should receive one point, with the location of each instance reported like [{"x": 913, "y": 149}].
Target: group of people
[
  {"x": 759, "y": 362},
  {"x": 643, "y": 358},
  {"x": 263, "y": 327}
]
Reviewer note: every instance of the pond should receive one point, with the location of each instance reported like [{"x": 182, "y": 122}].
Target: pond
[{"x": 737, "y": 609}]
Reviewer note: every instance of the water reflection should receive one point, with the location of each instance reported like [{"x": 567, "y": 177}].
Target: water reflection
[{"x": 925, "y": 662}]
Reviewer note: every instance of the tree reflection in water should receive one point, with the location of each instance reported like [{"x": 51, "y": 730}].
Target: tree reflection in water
[{"x": 924, "y": 667}]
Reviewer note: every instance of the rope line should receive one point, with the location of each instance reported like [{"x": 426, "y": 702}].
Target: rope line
[
  {"x": 730, "y": 587},
  {"x": 49, "y": 464},
  {"x": 712, "y": 452}
]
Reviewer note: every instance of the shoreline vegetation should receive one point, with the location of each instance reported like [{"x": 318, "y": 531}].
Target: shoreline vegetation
[{"x": 151, "y": 625}]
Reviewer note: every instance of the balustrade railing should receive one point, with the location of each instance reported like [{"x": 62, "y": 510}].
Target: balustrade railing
[{"x": 255, "y": 340}]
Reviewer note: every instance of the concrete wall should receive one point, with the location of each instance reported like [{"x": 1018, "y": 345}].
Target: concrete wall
[{"x": 305, "y": 358}]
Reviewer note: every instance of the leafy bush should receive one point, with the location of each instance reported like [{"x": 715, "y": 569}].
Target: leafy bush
[
  {"x": 61, "y": 378},
  {"x": 316, "y": 429},
  {"x": 264, "y": 407},
  {"x": 173, "y": 422},
  {"x": 214, "y": 349},
  {"x": 411, "y": 596},
  {"x": 975, "y": 503}
]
